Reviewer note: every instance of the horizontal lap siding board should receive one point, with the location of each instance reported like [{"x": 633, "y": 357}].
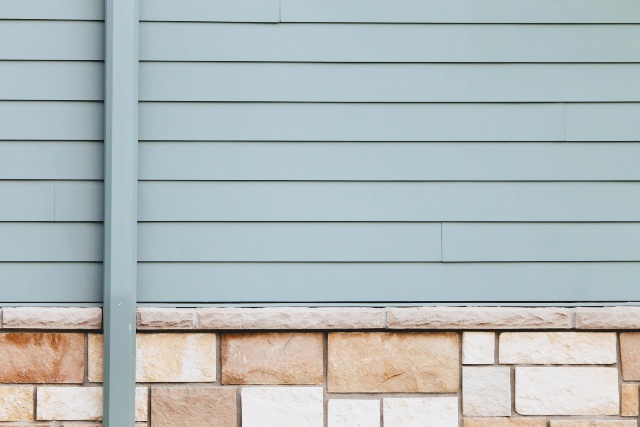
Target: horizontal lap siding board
[
  {"x": 462, "y": 11},
  {"x": 387, "y": 282},
  {"x": 27, "y": 201},
  {"x": 602, "y": 122},
  {"x": 210, "y": 10},
  {"x": 161, "y": 41},
  {"x": 81, "y": 10}
]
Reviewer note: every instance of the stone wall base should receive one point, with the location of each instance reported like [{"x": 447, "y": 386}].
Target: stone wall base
[{"x": 332, "y": 367}]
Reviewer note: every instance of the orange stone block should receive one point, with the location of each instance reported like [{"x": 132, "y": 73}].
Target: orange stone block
[
  {"x": 194, "y": 407},
  {"x": 505, "y": 422},
  {"x": 38, "y": 358},
  {"x": 630, "y": 353},
  {"x": 630, "y": 406}
]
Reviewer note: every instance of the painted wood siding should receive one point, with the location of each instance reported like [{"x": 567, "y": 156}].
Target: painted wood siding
[
  {"x": 51, "y": 160},
  {"x": 389, "y": 151}
]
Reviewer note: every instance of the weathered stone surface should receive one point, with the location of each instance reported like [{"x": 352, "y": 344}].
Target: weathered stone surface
[
  {"x": 478, "y": 318},
  {"x": 505, "y": 422},
  {"x": 69, "y": 403},
  {"x": 354, "y": 413},
  {"x": 567, "y": 391},
  {"x": 193, "y": 407},
  {"x": 52, "y": 317},
  {"x": 27, "y": 357},
  {"x": 272, "y": 358},
  {"x": 630, "y": 406},
  {"x": 630, "y": 355},
  {"x": 290, "y": 318},
  {"x": 420, "y": 412},
  {"x": 282, "y": 406},
  {"x": 558, "y": 348},
  {"x": 142, "y": 403},
  {"x": 608, "y": 318},
  {"x": 166, "y": 318},
  {"x": 165, "y": 357},
  {"x": 592, "y": 423},
  {"x": 478, "y": 348},
  {"x": 486, "y": 391},
  {"x": 16, "y": 403},
  {"x": 379, "y": 362}
]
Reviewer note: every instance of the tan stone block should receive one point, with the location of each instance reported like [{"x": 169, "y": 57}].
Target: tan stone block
[
  {"x": 272, "y": 358},
  {"x": 69, "y": 403},
  {"x": 290, "y": 318},
  {"x": 142, "y": 403},
  {"x": 630, "y": 355},
  {"x": 150, "y": 318},
  {"x": 558, "y": 348},
  {"x": 379, "y": 362},
  {"x": 16, "y": 403},
  {"x": 27, "y": 357},
  {"x": 479, "y": 318},
  {"x": 592, "y": 423},
  {"x": 505, "y": 422},
  {"x": 164, "y": 357},
  {"x": 630, "y": 406},
  {"x": 52, "y": 317},
  {"x": 608, "y": 318},
  {"x": 193, "y": 407}
]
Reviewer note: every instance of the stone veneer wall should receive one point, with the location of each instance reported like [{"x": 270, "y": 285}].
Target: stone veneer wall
[{"x": 333, "y": 367}]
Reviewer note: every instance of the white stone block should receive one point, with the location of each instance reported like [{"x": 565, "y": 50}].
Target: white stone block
[
  {"x": 478, "y": 348},
  {"x": 486, "y": 391},
  {"x": 282, "y": 406},
  {"x": 558, "y": 348},
  {"x": 420, "y": 412},
  {"x": 142, "y": 403},
  {"x": 567, "y": 391},
  {"x": 16, "y": 403},
  {"x": 354, "y": 413},
  {"x": 69, "y": 403}
]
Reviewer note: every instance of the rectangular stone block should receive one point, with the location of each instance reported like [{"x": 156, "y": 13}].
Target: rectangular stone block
[
  {"x": 420, "y": 412},
  {"x": 150, "y": 318},
  {"x": 193, "y": 407},
  {"x": 630, "y": 355},
  {"x": 272, "y": 358},
  {"x": 52, "y": 317},
  {"x": 486, "y": 391},
  {"x": 630, "y": 406},
  {"x": 478, "y": 348},
  {"x": 384, "y": 362},
  {"x": 142, "y": 403},
  {"x": 558, "y": 348},
  {"x": 164, "y": 357},
  {"x": 282, "y": 406},
  {"x": 27, "y": 357},
  {"x": 567, "y": 391},
  {"x": 353, "y": 413},
  {"x": 608, "y": 318},
  {"x": 479, "y": 318},
  {"x": 290, "y": 318},
  {"x": 16, "y": 403},
  {"x": 592, "y": 423},
  {"x": 505, "y": 422},
  {"x": 69, "y": 403}
]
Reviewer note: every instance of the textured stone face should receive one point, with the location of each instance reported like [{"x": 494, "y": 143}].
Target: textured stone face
[
  {"x": 478, "y": 318},
  {"x": 52, "y": 317},
  {"x": 142, "y": 403},
  {"x": 16, "y": 403},
  {"x": 166, "y": 318},
  {"x": 505, "y": 422},
  {"x": 630, "y": 403},
  {"x": 41, "y": 358},
  {"x": 585, "y": 423},
  {"x": 420, "y": 412},
  {"x": 378, "y": 362},
  {"x": 478, "y": 348},
  {"x": 165, "y": 357},
  {"x": 193, "y": 407},
  {"x": 282, "y": 406},
  {"x": 69, "y": 403},
  {"x": 272, "y": 358},
  {"x": 486, "y": 391},
  {"x": 290, "y": 318},
  {"x": 354, "y": 413},
  {"x": 567, "y": 391},
  {"x": 630, "y": 353},
  {"x": 564, "y": 348},
  {"x": 608, "y": 318}
]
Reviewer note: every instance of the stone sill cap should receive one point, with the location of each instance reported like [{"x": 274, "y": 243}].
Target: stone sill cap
[{"x": 332, "y": 318}]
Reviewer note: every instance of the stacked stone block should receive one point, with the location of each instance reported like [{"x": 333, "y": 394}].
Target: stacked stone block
[{"x": 331, "y": 367}]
